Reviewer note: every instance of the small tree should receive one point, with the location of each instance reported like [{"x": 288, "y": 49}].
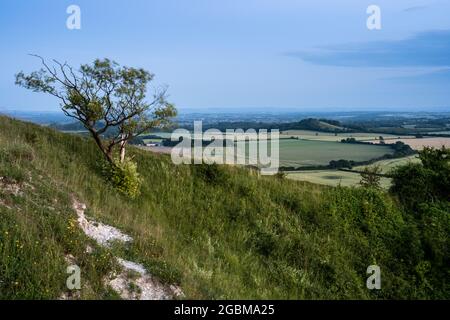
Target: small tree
[
  {"x": 105, "y": 98},
  {"x": 371, "y": 177}
]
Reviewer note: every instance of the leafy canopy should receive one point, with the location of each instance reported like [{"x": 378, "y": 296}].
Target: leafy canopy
[{"x": 104, "y": 97}]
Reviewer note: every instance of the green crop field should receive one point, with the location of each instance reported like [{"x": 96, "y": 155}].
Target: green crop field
[
  {"x": 336, "y": 177},
  {"x": 299, "y": 153},
  {"x": 387, "y": 165},
  {"x": 331, "y": 178}
]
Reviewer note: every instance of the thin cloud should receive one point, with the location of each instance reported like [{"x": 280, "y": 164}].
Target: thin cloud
[
  {"x": 415, "y": 8},
  {"x": 428, "y": 49},
  {"x": 432, "y": 77}
]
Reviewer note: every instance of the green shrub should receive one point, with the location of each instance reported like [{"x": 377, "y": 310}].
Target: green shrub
[
  {"x": 411, "y": 183},
  {"x": 428, "y": 181},
  {"x": 32, "y": 138},
  {"x": 424, "y": 190},
  {"x": 211, "y": 173},
  {"x": 124, "y": 177},
  {"x": 281, "y": 175}
]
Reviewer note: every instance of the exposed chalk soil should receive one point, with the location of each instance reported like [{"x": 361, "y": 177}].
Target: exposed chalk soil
[
  {"x": 134, "y": 282},
  {"x": 101, "y": 233}
]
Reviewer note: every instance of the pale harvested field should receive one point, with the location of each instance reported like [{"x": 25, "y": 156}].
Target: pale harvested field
[
  {"x": 165, "y": 150},
  {"x": 419, "y": 144},
  {"x": 209, "y": 135},
  {"x": 325, "y": 136},
  {"x": 304, "y": 135}
]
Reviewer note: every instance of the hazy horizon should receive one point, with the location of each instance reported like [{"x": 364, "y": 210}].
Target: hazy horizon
[
  {"x": 268, "y": 110},
  {"x": 248, "y": 55}
]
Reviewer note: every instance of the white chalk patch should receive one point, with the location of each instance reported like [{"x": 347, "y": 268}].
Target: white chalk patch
[
  {"x": 133, "y": 282},
  {"x": 101, "y": 233}
]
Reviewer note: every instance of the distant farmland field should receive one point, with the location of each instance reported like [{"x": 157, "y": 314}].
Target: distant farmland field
[
  {"x": 332, "y": 178},
  {"x": 312, "y": 152},
  {"x": 387, "y": 165},
  {"x": 419, "y": 144},
  {"x": 298, "y": 153},
  {"x": 343, "y": 178},
  {"x": 326, "y": 136},
  {"x": 305, "y": 153},
  {"x": 314, "y": 135}
]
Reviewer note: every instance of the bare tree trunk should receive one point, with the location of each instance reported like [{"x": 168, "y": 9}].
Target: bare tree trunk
[
  {"x": 122, "y": 149},
  {"x": 99, "y": 143}
]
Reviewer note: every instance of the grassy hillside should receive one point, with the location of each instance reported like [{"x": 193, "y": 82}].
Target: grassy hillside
[{"x": 218, "y": 232}]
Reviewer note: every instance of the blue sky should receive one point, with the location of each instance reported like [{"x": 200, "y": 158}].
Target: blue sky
[{"x": 272, "y": 54}]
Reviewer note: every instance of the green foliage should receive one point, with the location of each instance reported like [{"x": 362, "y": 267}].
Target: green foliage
[
  {"x": 349, "y": 140},
  {"x": 124, "y": 177},
  {"x": 424, "y": 190},
  {"x": 31, "y": 138},
  {"x": 105, "y": 98},
  {"x": 438, "y": 161},
  {"x": 424, "y": 182},
  {"x": 281, "y": 175},
  {"x": 92, "y": 109},
  {"x": 412, "y": 184},
  {"x": 339, "y": 164},
  {"x": 212, "y": 174},
  {"x": 401, "y": 149}
]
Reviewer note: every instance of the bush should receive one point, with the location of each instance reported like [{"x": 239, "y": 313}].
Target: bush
[
  {"x": 124, "y": 177},
  {"x": 412, "y": 184},
  {"x": 211, "y": 173},
  {"x": 424, "y": 190},
  {"x": 281, "y": 175},
  {"x": 426, "y": 182},
  {"x": 32, "y": 138},
  {"x": 339, "y": 164}
]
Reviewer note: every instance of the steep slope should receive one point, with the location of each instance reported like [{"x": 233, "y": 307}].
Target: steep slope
[{"x": 217, "y": 232}]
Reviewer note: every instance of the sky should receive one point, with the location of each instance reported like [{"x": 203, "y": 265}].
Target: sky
[{"x": 243, "y": 54}]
